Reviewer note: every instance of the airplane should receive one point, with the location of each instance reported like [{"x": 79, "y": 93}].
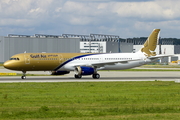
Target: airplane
[{"x": 84, "y": 63}]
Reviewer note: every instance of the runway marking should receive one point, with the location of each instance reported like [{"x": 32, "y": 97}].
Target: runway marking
[{"x": 7, "y": 74}]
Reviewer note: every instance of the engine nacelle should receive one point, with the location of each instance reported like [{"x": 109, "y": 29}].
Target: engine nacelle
[
  {"x": 82, "y": 70},
  {"x": 59, "y": 72}
]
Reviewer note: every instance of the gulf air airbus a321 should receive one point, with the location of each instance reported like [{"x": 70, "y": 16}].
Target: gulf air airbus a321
[{"x": 84, "y": 63}]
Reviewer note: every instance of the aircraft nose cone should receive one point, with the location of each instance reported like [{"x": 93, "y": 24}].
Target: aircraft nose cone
[
  {"x": 9, "y": 65},
  {"x": 6, "y": 65}
]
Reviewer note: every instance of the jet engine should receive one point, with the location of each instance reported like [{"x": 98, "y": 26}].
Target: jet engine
[
  {"x": 82, "y": 70},
  {"x": 59, "y": 72}
]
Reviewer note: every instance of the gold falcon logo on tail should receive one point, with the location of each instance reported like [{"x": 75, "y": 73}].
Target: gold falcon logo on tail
[{"x": 151, "y": 43}]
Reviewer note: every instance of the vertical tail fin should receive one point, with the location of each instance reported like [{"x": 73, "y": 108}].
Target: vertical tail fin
[{"x": 151, "y": 43}]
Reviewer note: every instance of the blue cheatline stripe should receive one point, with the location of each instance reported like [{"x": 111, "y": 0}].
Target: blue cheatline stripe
[{"x": 77, "y": 57}]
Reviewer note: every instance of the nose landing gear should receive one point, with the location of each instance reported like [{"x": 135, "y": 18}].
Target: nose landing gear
[{"x": 24, "y": 75}]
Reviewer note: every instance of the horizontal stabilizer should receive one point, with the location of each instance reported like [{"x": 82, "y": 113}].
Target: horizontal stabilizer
[{"x": 159, "y": 56}]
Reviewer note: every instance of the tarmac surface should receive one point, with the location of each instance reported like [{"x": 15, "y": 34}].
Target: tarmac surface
[{"x": 105, "y": 76}]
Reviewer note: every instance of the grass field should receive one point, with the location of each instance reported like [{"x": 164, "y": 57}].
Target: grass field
[{"x": 90, "y": 101}]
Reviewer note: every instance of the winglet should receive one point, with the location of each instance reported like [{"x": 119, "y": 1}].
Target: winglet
[{"x": 151, "y": 43}]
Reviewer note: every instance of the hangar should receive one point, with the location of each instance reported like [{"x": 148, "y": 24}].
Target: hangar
[{"x": 14, "y": 44}]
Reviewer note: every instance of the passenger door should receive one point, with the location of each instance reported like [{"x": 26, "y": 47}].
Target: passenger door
[
  {"x": 27, "y": 59},
  {"x": 60, "y": 58}
]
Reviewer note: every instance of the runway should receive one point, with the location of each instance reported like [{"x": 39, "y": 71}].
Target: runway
[{"x": 109, "y": 76}]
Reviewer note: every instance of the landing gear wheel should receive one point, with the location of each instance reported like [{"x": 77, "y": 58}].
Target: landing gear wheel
[
  {"x": 23, "y": 77},
  {"x": 77, "y": 76},
  {"x": 96, "y": 76}
]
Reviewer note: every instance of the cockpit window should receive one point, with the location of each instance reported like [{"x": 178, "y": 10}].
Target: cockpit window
[{"x": 14, "y": 59}]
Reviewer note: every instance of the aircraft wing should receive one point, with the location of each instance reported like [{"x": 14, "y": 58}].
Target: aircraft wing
[{"x": 101, "y": 64}]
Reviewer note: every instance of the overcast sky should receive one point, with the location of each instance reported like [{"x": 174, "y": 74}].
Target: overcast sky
[{"x": 126, "y": 18}]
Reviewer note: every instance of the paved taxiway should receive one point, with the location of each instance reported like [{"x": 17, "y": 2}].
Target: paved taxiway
[{"x": 105, "y": 76}]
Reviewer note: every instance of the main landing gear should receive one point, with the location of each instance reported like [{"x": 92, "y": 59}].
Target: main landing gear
[
  {"x": 77, "y": 76},
  {"x": 24, "y": 75},
  {"x": 95, "y": 76}
]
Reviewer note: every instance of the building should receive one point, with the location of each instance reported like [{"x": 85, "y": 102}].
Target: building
[
  {"x": 14, "y": 44},
  {"x": 99, "y": 43}
]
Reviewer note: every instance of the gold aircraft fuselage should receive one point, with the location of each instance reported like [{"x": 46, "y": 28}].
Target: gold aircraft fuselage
[{"x": 38, "y": 61}]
